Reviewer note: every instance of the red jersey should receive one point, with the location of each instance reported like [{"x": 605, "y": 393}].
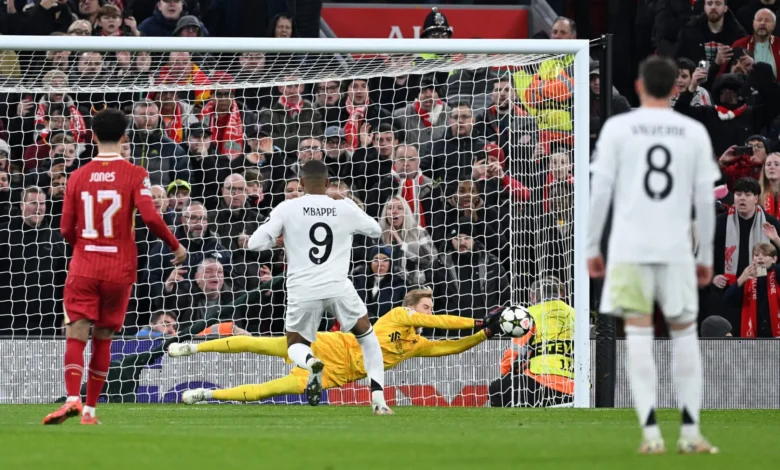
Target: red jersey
[{"x": 98, "y": 218}]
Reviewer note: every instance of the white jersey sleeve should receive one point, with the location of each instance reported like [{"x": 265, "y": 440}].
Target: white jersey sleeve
[
  {"x": 652, "y": 165},
  {"x": 707, "y": 173},
  {"x": 265, "y": 236},
  {"x": 363, "y": 223}
]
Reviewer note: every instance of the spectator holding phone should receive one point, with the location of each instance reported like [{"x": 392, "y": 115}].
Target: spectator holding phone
[
  {"x": 757, "y": 295},
  {"x": 709, "y": 35},
  {"x": 691, "y": 78},
  {"x": 739, "y": 161},
  {"x": 762, "y": 42}
]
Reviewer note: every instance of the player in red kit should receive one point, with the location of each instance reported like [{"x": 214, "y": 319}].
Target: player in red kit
[{"x": 97, "y": 221}]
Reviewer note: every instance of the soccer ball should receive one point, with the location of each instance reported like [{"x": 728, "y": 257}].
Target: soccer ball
[{"x": 516, "y": 321}]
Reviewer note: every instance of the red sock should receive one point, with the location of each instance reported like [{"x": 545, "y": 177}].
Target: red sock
[
  {"x": 74, "y": 366},
  {"x": 98, "y": 369}
]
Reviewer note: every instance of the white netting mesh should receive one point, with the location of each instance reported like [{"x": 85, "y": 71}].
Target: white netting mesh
[{"x": 466, "y": 161}]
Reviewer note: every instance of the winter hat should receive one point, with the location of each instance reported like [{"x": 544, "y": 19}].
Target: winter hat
[{"x": 188, "y": 21}]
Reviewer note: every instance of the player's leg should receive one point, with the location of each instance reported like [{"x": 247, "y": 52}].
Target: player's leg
[
  {"x": 80, "y": 302},
  {"x": 114, "y": 299},
  {"x": 301, "y": 324},
  {"x": 628, "y": 290},
  {"x": 678, "y": 296},
  {"x": 287, "y": 385},
  {"x": 352, "y": 315},
  {"x": 235, "y": 344}
]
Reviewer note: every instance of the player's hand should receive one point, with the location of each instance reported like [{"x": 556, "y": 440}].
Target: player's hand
[
  {"x": 720, "y": 281},
  {"x": 724, "y": 55},
  {"x": 770, "y": 231},
  {"x": 179, "y": 256},
  {"x": 280, "y": 241},
  {"x": 703, "y": 275},
  {"x": 265, "y": 274},
  {"x": 596, "y": 269},
  {"x": 490, "y": 322}
]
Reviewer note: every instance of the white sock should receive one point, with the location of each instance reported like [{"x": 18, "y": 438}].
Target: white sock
[
  {"x": 70, "y": 399},
  {"x": 378, "y": 396},
  {"x": 299, "y": 353},
  {"x": 688, "y": 377},
  {"x": 372, "y": 361},
  {"x": 207, "y": 394},
  {"x": 642, "y": 377},
  {"x": 89, "y": 411}
]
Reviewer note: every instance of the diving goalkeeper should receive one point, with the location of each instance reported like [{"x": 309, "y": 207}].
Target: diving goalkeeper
[{"x": 341, "y": 353}]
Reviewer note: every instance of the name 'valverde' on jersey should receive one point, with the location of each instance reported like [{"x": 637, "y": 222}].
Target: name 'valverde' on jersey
[
  {"x": 653, "y": 158},
  {"x": 318, "y": 233}
]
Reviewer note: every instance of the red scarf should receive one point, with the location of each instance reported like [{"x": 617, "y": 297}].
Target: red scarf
[
  {"x": 195, "y": 77},
  {"x": 771, "y": 206},
  {"x": 173, "y": 124},
  {"x": 77, "y": 125},
  {"x": 227, "y": 129},
  {"x": 292, "y": 109},
  {"x": 726, "y": 114},
  {"x": 749, "y": 306},
  {"x": 424, "y": 116},
  {"x": 352, "y": 127},
  {"x": 410, "y": 191}
]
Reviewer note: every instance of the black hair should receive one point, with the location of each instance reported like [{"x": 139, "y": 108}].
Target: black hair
[
  {"x": 684, "y": 63},
  {"x": 109, "y": 125},
  {"x": 315, "y": 171},
  {"x": 747, "y": 184},
  {"x": 658, "y": 75}
]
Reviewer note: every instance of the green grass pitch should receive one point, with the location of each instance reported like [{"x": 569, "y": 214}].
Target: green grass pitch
[{"x": 174, "y": 437}]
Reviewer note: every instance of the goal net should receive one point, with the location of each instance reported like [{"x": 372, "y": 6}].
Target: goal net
[{"x": 464, "y": 151}]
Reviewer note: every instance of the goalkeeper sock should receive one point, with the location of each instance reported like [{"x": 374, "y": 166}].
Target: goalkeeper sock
[
  {"x": 687, "y": 375},
  {"x": 300, "y": 353},
  {"x": 74, "y": 367},
  {"x": 372, "y": 361},
  {"x": 641, "y": 374},
  {"x": 238, "y": 344},
  {"x": 282, "y": 386},
  {"x": 98, "y": 369}
]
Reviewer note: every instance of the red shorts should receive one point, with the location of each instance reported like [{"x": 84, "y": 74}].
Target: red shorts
[{"x": 100, "y": 302}]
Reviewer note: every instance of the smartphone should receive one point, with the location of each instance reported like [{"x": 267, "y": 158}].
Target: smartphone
[
  {"x": 703, "y": 64},
  {"x": 760, "y": 271},
  {"x": 743, "y": 150}
]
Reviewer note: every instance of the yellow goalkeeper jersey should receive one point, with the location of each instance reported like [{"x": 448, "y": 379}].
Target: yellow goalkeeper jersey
[{"x": 398, "y": 337}]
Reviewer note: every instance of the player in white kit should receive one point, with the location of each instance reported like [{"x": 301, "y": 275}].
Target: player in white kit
[
  {"x": 318, "y": 233},
  {"x": 652, "y": 164}
]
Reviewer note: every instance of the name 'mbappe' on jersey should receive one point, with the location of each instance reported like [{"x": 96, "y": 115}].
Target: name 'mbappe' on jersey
[
  {"x": 318, "y": 232},
  {"x": 653, "y": 159}
]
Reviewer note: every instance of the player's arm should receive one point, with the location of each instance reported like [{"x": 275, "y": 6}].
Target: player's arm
[
  {"x": 707, "y": 173},
  {"x": 142, "y": 200},
  {"x": 69, "y": 218},
  {"x": 604, "y": 172},
  {"x": 445, "y": 322},
  {"x": 265, "y": 236},
  {"x": 363, "y": 223},
  {"x": 447, "y": 347}
]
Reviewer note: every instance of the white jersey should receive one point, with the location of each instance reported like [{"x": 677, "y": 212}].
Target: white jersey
[
  {"x": 659, "y": 163},
  {"x": 317, "y": 234}
]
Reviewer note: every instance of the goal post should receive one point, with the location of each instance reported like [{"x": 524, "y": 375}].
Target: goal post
[{"x": 308, "y": 62}]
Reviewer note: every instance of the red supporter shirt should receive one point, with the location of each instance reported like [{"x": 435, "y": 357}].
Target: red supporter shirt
[{"x": 98, "y": 218}]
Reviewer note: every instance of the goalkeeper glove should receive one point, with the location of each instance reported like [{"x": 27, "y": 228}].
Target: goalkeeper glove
[{"x": 490, "y": 322}]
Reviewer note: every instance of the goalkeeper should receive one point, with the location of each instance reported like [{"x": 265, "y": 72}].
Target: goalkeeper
[{"x": 396, "y": 331}]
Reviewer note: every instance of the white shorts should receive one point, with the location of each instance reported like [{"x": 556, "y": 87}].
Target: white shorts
[
  {"x": 304, "y": 317},
  {"x": 631, "y": 289}
]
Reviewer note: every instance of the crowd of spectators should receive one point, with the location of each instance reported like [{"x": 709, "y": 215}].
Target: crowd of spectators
[
  {"x": 729, "y": 62},
  {"x": 469, "y": 173}
]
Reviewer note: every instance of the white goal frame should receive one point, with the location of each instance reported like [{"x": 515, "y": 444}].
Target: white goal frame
[{"x": 579, "y": 48}]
